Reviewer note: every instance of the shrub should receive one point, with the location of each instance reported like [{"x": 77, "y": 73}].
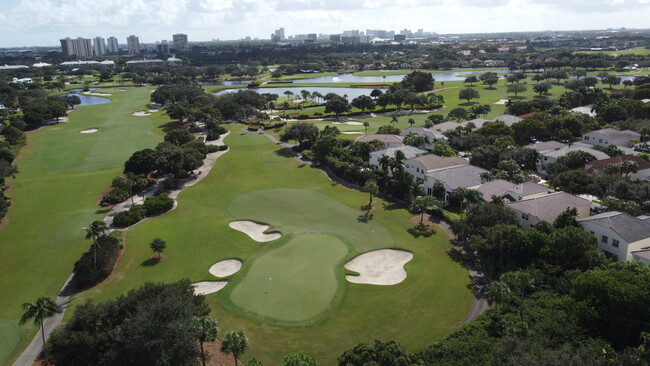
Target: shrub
[
  {"x": 308, "y": 155},
  {"x": 212, "y": 135},
  {"x": 303, "y": 116},
  {"x": 130, "y": 217},
  {"x": 156, "y": 205},
  {"x": 108, "y": 248},
  {"x": 212, "y": 148},
  {"x": 115, "y": 196},
  {"x": 223, "y": 147},
  {"x": 220, "y": 130}
]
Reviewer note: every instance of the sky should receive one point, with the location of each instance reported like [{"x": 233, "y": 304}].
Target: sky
[{"x": 44, "y": 22}]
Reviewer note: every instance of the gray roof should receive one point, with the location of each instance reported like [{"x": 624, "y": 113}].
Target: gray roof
[
  {"x": 434, "y": 162},
  {"x": 389, "y": 139},
  {"x": 459, "y": 176},
  {"x": 507, "y": 119},
  {"x": 409, "y": 151},
  {"x": 500, "y": 187},
  {"x": 528, "y": 188},
  {"x": 643, "y": 253},
  {"x": 478, "y": 122},
  {"x": 546, "y": 146},
  {"x": 548, "y": 207},
  {"x": 421, "y": 131},
  {"x": 625, "y": 150},
  {"x": 628, "y": 227},
  {"x": 599, "y": 155},
  {"x": 446, "y": 126},
  {"x": 616, "y": 134}
]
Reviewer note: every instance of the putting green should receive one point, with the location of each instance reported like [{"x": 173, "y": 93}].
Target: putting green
[
  {"x": 296, "y": 282},
  {"x": 301, "y": 211}
]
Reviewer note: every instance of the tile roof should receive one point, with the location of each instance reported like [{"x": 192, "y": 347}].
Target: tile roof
[
  {"x": 628, "y": 227},
  {"x": 446, "y": 126},
  {"x": 548, "y": 207},
  {"x": 389, "y": 139},
  {"x": 546, "y": 145},
  {"x": 599, "y": 155},
  {"x": 616, "y": 134},
  {"x": 459, "y": 176},
  {"x": 597, "y": 165},
  {"x": 507, "y": 119},
  {"x": 409, "y": 151},
  {"x": 433, "y": 162}
]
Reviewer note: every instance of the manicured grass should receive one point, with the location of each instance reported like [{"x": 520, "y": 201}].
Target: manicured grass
[
  {"x": 400, "y": 72},
  {"x": 641, "y": 51},
  {"x": 62, "y": 173},
  {"x": 321, "y": 223}
]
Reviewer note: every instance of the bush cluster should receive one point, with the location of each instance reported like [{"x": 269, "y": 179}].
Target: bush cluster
[
  {"x": 156, "y": 205},
  {"x": 108, "y": 248},
  {"x": 115, "y": 196},
  {"x": 130, "y": 217}
]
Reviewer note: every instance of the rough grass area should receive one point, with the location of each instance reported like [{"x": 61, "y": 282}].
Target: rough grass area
[{"x": 62, "y": 173}]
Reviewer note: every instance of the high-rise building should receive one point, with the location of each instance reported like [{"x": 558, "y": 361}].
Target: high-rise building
[
  {"x": 99, "y": 46},
  {"x": 133, "y": 45},
  {"x": 180, "y": 42},
  {"x": 278, "y": 35},
  {"x": 162, "y": 48},
  {"x": 81, "y": 47},
  {"x": 112, "y": 46}
]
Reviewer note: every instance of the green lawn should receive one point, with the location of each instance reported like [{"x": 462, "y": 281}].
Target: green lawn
[
  {"x": 641, "y": 51},
  {"x": 62, "y": 173},
  {"x": 313, "y": 309}
]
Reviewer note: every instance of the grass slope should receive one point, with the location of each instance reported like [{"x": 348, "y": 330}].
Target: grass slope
[
  {"x": 62, "y": 173},
  {"x": 422, "y": 309}
]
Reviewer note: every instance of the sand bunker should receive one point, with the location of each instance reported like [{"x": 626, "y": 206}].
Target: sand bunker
[
  {"x": 153, "y": 110},
  {"x": 352, "y": 133},
  {"x": 141, "y": 114},
  {"x": 98, "y": 94},
  {"x": 379, "y": 267},
  {"x": 208, "y": 287},
  {"x": 226, "y": 267},
  {"x": 90, "y": 130},
  {"x": 501, "y": 101},
  {"x": 353, "y": 123},
  {"x": 254, "y": 230}
]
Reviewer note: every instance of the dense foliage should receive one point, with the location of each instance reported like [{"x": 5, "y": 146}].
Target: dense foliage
[{"x": 106, "y": 249}]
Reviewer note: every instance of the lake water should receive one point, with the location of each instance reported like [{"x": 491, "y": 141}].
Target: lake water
[
  {"x": 350, "y": 92},
  {"x": 91, "y": 99}
]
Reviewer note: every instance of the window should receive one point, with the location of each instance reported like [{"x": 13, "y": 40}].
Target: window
[
  {"x": 600, "y": 140},
  {"x": 429, "y": 191},
  {"x": 524, "y": 216},
  {"x": 586, "y": 138},
  {"x": 615, "y": 243},
  {"x": 591, "y": 232},
  {"x": 604, "y": 239},
  {"x": 606, "y": 142}
]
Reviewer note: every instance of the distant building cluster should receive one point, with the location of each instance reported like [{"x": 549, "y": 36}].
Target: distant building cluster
[
  {"x": 354, "y": 36},
  {"x": 85, "y": 47}
]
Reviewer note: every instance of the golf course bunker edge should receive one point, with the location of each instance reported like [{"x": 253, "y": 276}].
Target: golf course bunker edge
[
  {"x": 379, "y": 267},
  {"x": 255, "y": 230},
  {"x": 225, "y": 267}
]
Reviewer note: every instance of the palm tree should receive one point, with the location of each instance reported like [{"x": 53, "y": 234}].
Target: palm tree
[
  {"x": 423, "y": 203},
  {"x": 384, "y": 162},
  {"x": 206, "y": 327},
  {"x": 365, "y": 126},
  {"x": 235, "y": 343},
  {"x": 96, "y": 229},
  {"x": 497, "y": 292},
  {"x": 43, "y": 308},
  {"x": 394, "y": 120},
  {"x": 372, "y": 188}
]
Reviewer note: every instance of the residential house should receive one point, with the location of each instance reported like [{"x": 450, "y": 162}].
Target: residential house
[
  {"x": 597, "y": 167},
  {"x": 466, "y": 176},
  {"x": 389, "y": 140},
  {"x": 409, "y": 152},
  {"x": 609, "y": 136},
  {"x": 543, "y": 146},
  {"x": 548, "y": 207},
  {"x": 548, "y": 157},
  {"x": 511, "y": 191},
  {"x": 419, "y": 166},
  {"x": 507, "y": 119},
  {"x": 446, "y": 126},
  {"x": 619, "y": 234},
  {"x": 431, "y": 136}
]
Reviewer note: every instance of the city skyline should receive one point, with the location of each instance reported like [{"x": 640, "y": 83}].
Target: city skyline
[{"x": 43, "y": 23}]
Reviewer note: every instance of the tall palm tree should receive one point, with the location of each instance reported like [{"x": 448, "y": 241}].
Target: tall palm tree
[
  {"x": 236, "y": 343},
  {"x": 206, "y": 327},
  {"x": 96, "y": 229},
  {"x": 43, "y": 308}
]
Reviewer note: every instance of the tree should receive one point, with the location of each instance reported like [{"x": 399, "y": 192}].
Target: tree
[
  {"x": 236, "y": 343},
  {"x": 468, "y": 94},
  {"x": 300, "y": 132},
  {"x": 363, "y": 102},
  {"x": 371, "y": 187},
  {"x": 418, "y": 80},
  {"x": 611, "y": 80},
  {"x": 179, "y": 136},
  {"x": 411, "y": 122},
  {"x": 462, "y": 195},
  {"x": 489, "y": 78},
  {"x": 96, "y": 229},
  {"x": 158, "y": 246},
  {"x": 337, "y": 105},
  {"x": 43, "y": 308},
  {"x": 375, "y": 93},
  {"x": 516, "y": 88},
  {"x": 298, "y": 359},
  {"x": 422, "y": 204},
  {"x": 458, "y": 114},
  {"x": 206, "y": 328},
  {"x": 471, "y": 80},
  {"x": 366, "y": 124},
  {"x": 378, "y": 353},
  {"x": 141, "y": 162},
  {"x": 498, "y": 293},
  {"x": 542, "y": 88}
]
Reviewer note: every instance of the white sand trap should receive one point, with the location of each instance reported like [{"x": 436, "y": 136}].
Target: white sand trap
[
  {"x": 501, "y": 101},
  {"x": 226, "y": 267},
  {"x": 352, "y": 133},
  {"x": 91, "y": 130},
  {"x": 153, "y": 111},
  {"x": 141, "y": 114},
  {"x": 379, "y": 267},
  {"x": 254, "y": 230},
  {"x": 352, "y": 123},
  {"x": 208, "y": 287},
  {"x": 98, "y": 94}
]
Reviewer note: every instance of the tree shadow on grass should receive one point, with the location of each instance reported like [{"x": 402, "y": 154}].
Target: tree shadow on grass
[
  {"x": 103, "y": 211},
  {"x": 421, "y": 230},
  {"x": 150, "y": 262},
  {"x": 365, "y": 218},
  {"x": 389, "y": 206},
  {"x": 457, "y": 255},
  {"x": 284, "y": 152}
]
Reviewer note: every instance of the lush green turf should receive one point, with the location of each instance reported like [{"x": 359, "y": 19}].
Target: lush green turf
[
  {"x": 62, "y": 174},
  {"x": 400, "y": 72},
  {"x": 641, "y": 51},
  {"x": 322, "y": 223}
]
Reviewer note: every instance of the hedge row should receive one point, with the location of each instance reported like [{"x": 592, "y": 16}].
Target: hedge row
[
  {"x": 154, "y": 205},
  {"x": 108, "y": 248}
]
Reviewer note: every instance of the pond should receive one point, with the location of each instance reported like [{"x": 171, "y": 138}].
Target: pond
[
  {"x": 349, "y": 78},
  {"x": 350, "y": 92},
  {"x": 91, "y": 99}
]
